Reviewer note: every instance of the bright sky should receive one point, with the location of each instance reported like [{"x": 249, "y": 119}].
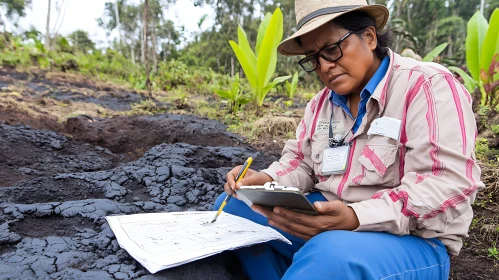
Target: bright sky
[{"x": 82, "y": 14}]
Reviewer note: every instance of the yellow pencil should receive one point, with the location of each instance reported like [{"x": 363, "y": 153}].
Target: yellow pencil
[{"x": 239, "y": 176}]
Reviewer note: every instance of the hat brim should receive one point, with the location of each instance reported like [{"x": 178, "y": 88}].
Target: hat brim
[{"x": 290, "y": 47}]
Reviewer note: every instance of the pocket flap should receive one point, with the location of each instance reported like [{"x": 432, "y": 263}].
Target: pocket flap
[
  {"x": 378, "y": 158},
  {"x": 321, "y": 143}
]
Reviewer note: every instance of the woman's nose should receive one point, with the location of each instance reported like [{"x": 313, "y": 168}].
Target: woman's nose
[{"x": 325, "y": 65}]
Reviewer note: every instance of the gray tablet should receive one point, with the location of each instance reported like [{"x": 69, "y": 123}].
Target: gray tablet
[{"x": 271, "y": 195}]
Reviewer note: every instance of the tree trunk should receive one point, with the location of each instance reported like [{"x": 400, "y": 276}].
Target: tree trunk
[
  {"x": 118, "y": 24},
  {"x": 47, "y": 32},
  {"x": 154, "y": 41},
  {"x": 398, "y": 5},
  {"x": 142, "y": 46},
  {"x": 146, "y": 56},
  {"x": 133, "y": 54}
]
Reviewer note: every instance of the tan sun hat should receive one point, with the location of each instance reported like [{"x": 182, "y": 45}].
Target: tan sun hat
[{"x": 312, "y": 14}]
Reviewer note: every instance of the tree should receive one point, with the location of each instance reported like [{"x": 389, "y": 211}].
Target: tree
[
  {"x": 490, "y": 5},
  {"x": 228, "y": 14},
  {"x": 423, "y": 18},
  {"x": 118, "y": 24},
  {"x": 47, "y": 31},
  {"x": 13, "y": 8},
  {"x": 81, "y": 41},
  {"x": 145, "y": 33},
  {"x": 61, "y": 13},
  {"x": 452, "y": 30}
]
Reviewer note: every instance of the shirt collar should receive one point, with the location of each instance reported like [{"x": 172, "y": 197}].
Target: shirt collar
[{"x": 341, "y": 100}]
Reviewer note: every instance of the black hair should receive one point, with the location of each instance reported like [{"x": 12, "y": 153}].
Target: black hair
[{"x": 358, "y": 22}]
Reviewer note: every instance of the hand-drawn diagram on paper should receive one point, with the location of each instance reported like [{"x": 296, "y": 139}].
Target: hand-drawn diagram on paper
[{"x": 163, "y": 240}]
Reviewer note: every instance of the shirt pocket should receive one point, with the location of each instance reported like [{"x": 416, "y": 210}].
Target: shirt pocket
[
  {"x": 378, "y": 163},
  {"x": 321, "y": 142}
]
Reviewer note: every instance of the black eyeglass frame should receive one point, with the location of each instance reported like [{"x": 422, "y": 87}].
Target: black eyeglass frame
[{"x": 318, "y": 54}]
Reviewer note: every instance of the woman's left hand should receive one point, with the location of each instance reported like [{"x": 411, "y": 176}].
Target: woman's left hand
[{"x": 334, "y": 215}]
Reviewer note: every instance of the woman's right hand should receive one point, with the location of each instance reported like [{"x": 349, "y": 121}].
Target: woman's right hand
[{"x": 252, "y": 178}]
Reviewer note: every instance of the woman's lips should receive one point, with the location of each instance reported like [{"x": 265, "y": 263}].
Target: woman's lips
[{"x": 335, "y": 78}]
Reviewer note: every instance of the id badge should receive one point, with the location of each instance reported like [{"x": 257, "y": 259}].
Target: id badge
[{"x": 335, "y": 160}]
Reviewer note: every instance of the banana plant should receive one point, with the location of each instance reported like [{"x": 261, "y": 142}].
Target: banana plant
[
  {"x": 482, "y": 51},
  {"x": 291, "y": 87},
  {"x": 435, "y": 52},
  {"x": 259, "y": 66},
  {"x": 235, "y": 95}
]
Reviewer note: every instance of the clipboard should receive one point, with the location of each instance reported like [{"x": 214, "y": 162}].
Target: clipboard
[{"x": 272, "y": 195}]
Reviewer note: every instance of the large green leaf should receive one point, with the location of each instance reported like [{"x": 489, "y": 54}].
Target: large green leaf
[
  {"x": 469, "y": 83},
  {"x": 267, "y": 58},
  {"x": 271, "y": 86},
  {"x": 224, "y": 94},
  {"x": 235, "y": 86},
  {"x": 435, "y": 52},
  {"x": 294, "y": 83},
  {"x": 245, "y": 47},
  {"x": 247, "y": 68},
  {"x": 490, "y": 45},
  {"x": 261, "y": 31},
  {"x": 477, "y": 28}
]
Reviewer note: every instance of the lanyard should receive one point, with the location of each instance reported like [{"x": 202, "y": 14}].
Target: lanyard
[{"x": 337, "y": 140}]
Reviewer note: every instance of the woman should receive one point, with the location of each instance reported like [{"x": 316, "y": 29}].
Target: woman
[{"x": 404, "y": 132}]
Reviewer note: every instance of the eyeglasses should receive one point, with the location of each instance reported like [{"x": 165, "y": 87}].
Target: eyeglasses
[{"x": 331, "y": 53}]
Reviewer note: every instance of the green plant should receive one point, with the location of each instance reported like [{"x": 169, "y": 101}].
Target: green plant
[
  {"x": 146, "y": 107},
  {"x": 308, "y": 96},
  {"x": 181, "y": 102},
  {"x": 482, "y": 146},
  {"x": 474, "y": 223},
  {"x": 260, "y": 66},
  {"x": 494, "y": 253},
  {"x": 288, "y": 103},
  {"x": 482, "y": 49},
  {"x": 291, "y": 87},
  {"x": 435, "y": 52},
  {"x": 495, "y": 128},
  {"x": 235, "y": 95}
]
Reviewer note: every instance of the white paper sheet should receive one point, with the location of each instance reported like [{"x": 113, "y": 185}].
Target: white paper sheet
[
  {"x": 164, "y": 240},
  {"x": 386, "y": 126}
]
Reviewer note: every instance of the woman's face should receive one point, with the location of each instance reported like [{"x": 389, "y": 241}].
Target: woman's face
[{"x": 355, "y": 68}]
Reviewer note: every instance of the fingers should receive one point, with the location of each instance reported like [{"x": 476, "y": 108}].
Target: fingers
[
  {"x": 298, "y": 218},
  {"x": 290, "y": 222},
  {"x": 231, "y": 177},
  {"x": 228, "y": 190},
  {"x": 254, "y": 178},
  {"x": 291, "y": 230},
  {"x": 297, "y": 222},
  {"x": 329, "y": 208}
]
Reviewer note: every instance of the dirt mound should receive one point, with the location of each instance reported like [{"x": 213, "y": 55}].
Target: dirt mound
[
  {"x": 52, "y": 225},
  {"x": 26, "y": 153},
  {"x": 71, "y": 87},
  {"x": 274, "y": 126},
  {"x": 135, "y": 135},
  {"x": 11, "y": 116}
]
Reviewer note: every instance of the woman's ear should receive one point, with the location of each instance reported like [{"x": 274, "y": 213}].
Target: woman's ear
[{"x": 370, "y": 38}]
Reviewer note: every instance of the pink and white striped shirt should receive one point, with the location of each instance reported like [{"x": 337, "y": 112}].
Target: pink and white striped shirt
[{"x": 423, "y": 184}]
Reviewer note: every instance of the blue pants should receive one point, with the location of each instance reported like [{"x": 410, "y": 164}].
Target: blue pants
[{"x": 340, "y": 254}]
